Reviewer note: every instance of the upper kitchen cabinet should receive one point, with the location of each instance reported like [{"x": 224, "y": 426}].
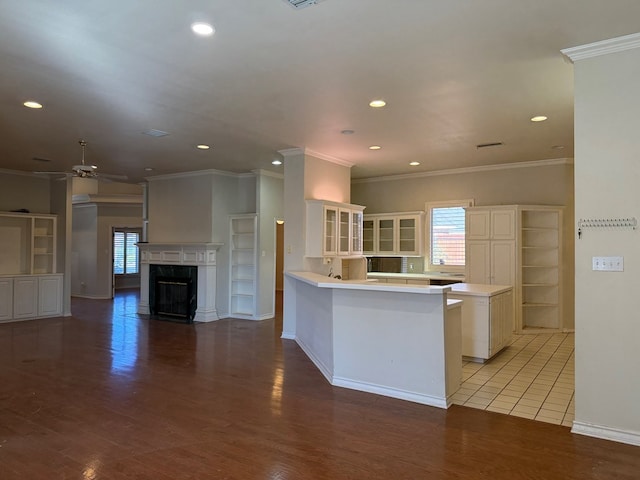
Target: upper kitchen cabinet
[
  {"x": 391, "y": 234},
  {"x": 494, "y": 223},
  {"x": 333, "y": 229}
]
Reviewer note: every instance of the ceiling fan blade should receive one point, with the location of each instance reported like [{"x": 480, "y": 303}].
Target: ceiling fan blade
[{"x": 52, "y": 173}]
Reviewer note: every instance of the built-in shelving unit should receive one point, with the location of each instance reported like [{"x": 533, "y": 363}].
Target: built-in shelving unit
[
  {"x": 29, "y": 285},
  {"x": 540, "y": 262},
  {"x": 242, "y": 299}
]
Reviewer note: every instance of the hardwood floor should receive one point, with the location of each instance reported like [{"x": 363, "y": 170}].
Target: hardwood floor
[{"x": 108, "y": 395}]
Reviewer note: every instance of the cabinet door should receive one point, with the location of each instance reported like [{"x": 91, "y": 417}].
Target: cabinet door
[
  {"x": 478, "y": 262},
  {"x": 508, "y": 320},
  {"x": 330, "y": 231},
  {"x": 49, "y": 296},
  {"x": 386, "y": 235},
  {"x": 344, "y": 229},
  {"x": 503, "y": 263},
  {"x": 356, "y": 233},
  {"x": 408, "y": 235},
  {"x": 368, "y": 236},
  {"x": 478, "y": 224},
  {"x": 25, "y": 297},
  {"x": 6, "y": 298},
  {"x": 496, "y": 330},
  {"x": 503, "y": 225}
]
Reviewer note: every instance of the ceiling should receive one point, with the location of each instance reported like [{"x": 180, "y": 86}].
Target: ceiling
[{"x": 454, "y": 74}]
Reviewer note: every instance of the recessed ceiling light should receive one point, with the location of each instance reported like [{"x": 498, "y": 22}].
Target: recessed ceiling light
[
  {"x": 414, "y": 164},
  {"x": 202, "y": 29},
  {"x": 32, "y": 104},
  {"x": 375, "y": 147},
  {"x": 377, "y": 103},
  {"x": 347, "y": 132},
  {"x": 538, "y": 118},
  {"x": 277, "y": 162},
  {"x": 202, "y": 146},
  {"x": 148, "y": 169}
]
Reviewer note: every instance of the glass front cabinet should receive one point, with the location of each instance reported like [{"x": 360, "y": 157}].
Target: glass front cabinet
[{"x": 333, "y": 229}]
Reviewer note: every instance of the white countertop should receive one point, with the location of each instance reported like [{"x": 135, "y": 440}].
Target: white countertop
[
  {"x": 322, "y": 281},
  {"x": 478, "y": 289},
  {"x": 418, "y": 276}
]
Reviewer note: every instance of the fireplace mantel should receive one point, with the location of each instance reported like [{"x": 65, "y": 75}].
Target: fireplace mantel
[
  {"x": 178, "y": 253},
  {"x": 201, "y": 255}
]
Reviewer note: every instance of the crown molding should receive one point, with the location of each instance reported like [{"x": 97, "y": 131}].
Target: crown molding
[
  {"x": 109, "y": 199},
  {"x": 604, "y": 47},
  {"x": 197, "y": 173},
  {"x": 290, "y": 152},
  {"x": 267, "y": 173},
  {"x": 459, "y": 171},
  {"x": 328, "y": 158}
]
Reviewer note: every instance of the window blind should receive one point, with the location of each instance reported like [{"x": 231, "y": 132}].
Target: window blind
[
  {"x": 447, "y": 236},
  {"x": 125, "y": 253}
]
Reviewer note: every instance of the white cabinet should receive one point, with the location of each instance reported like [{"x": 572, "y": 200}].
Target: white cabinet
[
  {"x": 25, "y": 297},
  {"x": 393, "y": 234},
  {"x": 49, "y": 295},
  {"x": 519, "y": 245},
  {"x": 242, "y": 277},
  {"x": 540, "y": 268},
  {"x": 333, "y": 229},
  {"x": 487, "y": 318},
  {"x": 6, "y": 298}
]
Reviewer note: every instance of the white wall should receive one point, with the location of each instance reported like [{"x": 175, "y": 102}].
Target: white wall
[
  {"x": 20, "y": 190},
  {"x": 270, "y": 193},
  {"x": 607, "y": 175},
  {"x": 540, "y": 183},
  {"x": 306, "y": 177},
  {"x": 84, "y": 250}
]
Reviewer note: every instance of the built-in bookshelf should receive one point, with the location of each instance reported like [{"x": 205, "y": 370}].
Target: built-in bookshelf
[{"x": 242, "y": 298}]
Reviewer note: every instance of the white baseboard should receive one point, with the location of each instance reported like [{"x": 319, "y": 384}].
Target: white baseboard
[
  {"x": 328, "y": 374},
  {"x": 391, "y": 392},
  {"x": 288, "y": 335},
  {"x": 606, "y": 433}
]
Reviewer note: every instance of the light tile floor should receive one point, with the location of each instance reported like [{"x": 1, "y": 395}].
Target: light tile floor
[{"x": 532, "y": 378}]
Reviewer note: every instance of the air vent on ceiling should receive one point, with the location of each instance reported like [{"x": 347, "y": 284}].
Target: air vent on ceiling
[
  {"x": 38, "y": 159},
  {"x": 493, "y": 144},
  {"x": 155, "y": 133},
  {"x": 301, "y": 3}
]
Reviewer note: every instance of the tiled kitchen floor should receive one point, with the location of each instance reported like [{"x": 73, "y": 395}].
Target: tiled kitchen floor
[{"x": 532, "y": 378}]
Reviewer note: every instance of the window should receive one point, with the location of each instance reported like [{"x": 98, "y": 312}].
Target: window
[
  {"x": 446, "y": 227},
  {"x": 125, "y": 252}
]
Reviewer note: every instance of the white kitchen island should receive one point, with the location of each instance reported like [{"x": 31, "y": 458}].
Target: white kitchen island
[{"x": 401, "y": 341}]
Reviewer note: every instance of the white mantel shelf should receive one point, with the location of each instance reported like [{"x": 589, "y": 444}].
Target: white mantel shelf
[
  {"x": 201, "y": 255},
  {"x": 178, "y": 253}
]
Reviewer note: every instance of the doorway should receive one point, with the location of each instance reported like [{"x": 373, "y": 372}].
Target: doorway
[{"x": 126, "y": 258}]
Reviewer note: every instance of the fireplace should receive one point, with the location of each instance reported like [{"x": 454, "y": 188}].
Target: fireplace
[
  {"x": 173, "y": 292},
  {"x": 187, "y": 275}
]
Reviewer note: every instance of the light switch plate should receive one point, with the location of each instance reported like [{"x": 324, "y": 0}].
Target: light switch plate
[{"x": 608, "y": 264}]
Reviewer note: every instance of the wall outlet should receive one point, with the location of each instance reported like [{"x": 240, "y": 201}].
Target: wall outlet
[
  {"x": 326, "y": 261},
  {"x": 607, "y": 264}
]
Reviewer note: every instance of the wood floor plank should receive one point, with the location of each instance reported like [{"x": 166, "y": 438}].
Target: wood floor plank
[{"x": 107, "y": 394}]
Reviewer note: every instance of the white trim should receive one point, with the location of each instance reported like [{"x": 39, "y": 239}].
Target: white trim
[
  {"x": 328, "y": 158},
  {"x": 606, "y": 433},
  {"x": 391, "y": 392},
  {"x": 118, "y": 199},
  {"x": 290, "y": 152},
  {"x": 316, "y": 361},
  {"x": 265, "y": 316},
  {"x": 91, "y": 297},
  {"x": 458, "y": 171},
  {"x": 267, "y": 173},
  {"x": 288, "y": 335},
  {"x": 197, "y": 173},
  {"x": 604, "y": 47}
]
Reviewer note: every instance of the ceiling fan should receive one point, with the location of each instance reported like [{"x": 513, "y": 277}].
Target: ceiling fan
[{"x": 86, "y": 171}]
